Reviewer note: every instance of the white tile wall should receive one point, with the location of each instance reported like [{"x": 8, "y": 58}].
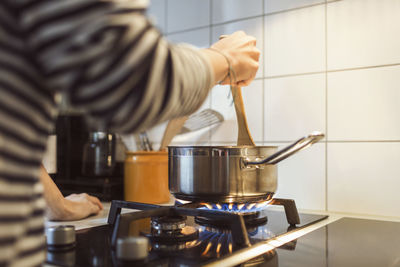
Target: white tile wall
[
  {"x": 364, "y": 178},
  {"x": 364, "y": 104},
  {"x": 295, "y": 41},
  {"x": 296, "y": 92},
  {"x": 226, "y": 10},
  {"x": 221, "y": 101},
  {"x": 363, "y": 33},
  {"x": 250, "y": 26},
  {"x": 302, "y": 177},
  {"x": 294, "y": 106},
  {"x": 156, "y": 12},
  {"x": 199, "y": 38},
  {"x": 271, "y": 6},
  {"x": 187, "y": 14}
]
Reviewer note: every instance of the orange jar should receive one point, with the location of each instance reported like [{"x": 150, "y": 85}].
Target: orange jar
[{"x": 146, "y": 177}]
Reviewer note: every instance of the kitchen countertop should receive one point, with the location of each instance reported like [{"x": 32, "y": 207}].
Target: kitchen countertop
[{"x": 92, "y": 221}]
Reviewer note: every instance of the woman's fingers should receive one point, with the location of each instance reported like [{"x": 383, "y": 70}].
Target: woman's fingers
[
  {"x": 96, "y": 201},
  {"x": 95, "y": 209},
  {"x": 85, "y": 204}
]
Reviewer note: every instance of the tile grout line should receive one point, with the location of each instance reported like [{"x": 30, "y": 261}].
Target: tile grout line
[
  {"x": 333, "y": 71},
  {"x": 293, "y": 75},
  {"x": 166, "y": 17},
  {"x": 209, "y": 44},
  {"x": 264, "y": 122},
  {"x": 366, "y": 67},
  {"x": 326, "y": 105},
  {"x": 321, "y": 142},
  {"x": 363, "y": 141},
  {"x": 295, "y": 8}
]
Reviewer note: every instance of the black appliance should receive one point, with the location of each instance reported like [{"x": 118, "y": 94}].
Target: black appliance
[
  {"x": 86, "y": 160},
  {"x": 202, "y": 235}
]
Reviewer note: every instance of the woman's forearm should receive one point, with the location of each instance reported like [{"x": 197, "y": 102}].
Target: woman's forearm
[{"x": 55, "y": 206}]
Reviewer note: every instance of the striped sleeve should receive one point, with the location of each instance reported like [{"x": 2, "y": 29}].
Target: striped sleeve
[{"x": 113, "y": 63}]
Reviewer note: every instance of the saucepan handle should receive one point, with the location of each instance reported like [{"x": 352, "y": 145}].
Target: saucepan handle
[{"x": 282, "y": 154}]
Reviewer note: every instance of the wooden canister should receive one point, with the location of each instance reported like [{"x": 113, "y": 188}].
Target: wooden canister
[{"x": 146, "y": 177}]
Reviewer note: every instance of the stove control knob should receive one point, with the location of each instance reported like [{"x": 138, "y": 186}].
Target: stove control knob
[
  {"x": 62, "y": 235},
  {"x": 132, "y": 248}
]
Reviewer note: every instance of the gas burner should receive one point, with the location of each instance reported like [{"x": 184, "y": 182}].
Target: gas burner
[
  {"x": 188, "y": 233},
  {"x": 238, "y": 208},
  {"x": 249, "y": 211},
  {"x": 168, "y": 223},
  {"x": 170, "y": 229},
  {"x": 252, "y": 219},
  {"x": 237, "y": 223}
]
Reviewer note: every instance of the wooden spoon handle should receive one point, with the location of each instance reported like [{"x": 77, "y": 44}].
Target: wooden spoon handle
[
  {"x": 244, "y": 137},
  {"x": 173, "y": 127}
]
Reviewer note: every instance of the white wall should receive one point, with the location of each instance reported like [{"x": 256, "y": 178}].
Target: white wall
[{"x": 332, "y": 66}]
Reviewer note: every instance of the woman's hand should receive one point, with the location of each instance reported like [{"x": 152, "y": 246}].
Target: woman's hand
[
  {"x": 79, "y": 206},
  {"x": 72, "y": 207},
  {"x": 241, "y": 52}
]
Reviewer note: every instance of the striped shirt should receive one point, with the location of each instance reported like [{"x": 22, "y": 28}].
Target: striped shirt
[{"x": 110, "y": 63}]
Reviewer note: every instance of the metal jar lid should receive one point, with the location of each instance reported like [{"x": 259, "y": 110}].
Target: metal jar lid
[{"x": 60, "y": 235}]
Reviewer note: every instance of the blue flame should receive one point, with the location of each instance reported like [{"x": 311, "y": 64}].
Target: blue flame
[{"x": 236, "y": 207}]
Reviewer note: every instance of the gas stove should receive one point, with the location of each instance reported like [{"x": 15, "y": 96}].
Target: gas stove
[{"x": 190, "y": 234}]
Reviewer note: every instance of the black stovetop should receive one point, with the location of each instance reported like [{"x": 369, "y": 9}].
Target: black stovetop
[
  {"x": 348, "y": 242},
  {"x": 93, "y": 247}
]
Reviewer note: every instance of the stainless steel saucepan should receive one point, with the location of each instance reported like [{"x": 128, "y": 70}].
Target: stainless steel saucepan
[{"x": 228, "y": 174}]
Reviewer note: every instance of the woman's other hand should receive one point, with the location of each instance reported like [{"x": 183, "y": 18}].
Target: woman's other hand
[
  {"x": 79, "y": 206},
  {"x": 72, "y": 207}
]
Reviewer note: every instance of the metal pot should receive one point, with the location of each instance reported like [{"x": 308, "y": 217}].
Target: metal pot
[{"x": 228, "y": 173}]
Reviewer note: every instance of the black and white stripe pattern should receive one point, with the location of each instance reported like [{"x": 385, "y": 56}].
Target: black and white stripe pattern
[{"x": 109, "y": 61}]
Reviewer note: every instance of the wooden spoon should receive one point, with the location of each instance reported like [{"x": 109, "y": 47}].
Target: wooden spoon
[
  {"x": 174, "y": 126},
  {"x": 244, "y": 137}
]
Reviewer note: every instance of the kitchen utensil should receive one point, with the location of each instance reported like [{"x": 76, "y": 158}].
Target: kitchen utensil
[
  {"x": 145, "y": 141},
  {"x": 99, "y": 155},
  {"x": 228, "y": 173},
  {"x": 202, "y": 119},
  {"x": 146, "y": 176},
  {"x": 244, "y": 136},
  {"x": 173, "y": 127}
]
